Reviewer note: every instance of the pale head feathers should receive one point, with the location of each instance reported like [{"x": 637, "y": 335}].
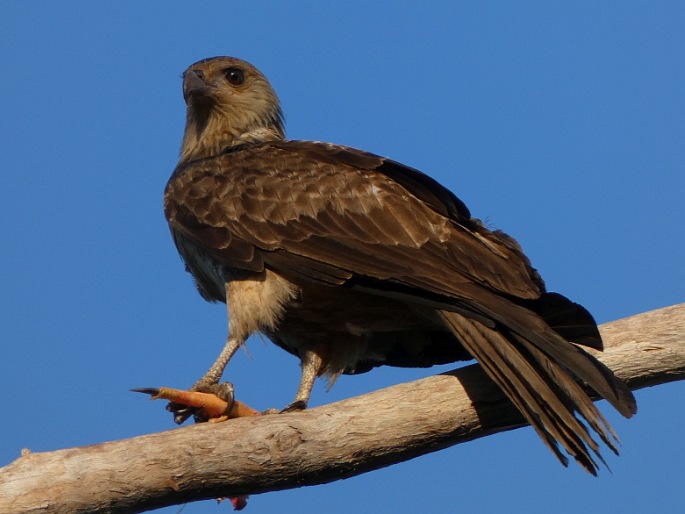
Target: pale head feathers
[{"x": 229, "y": 102}]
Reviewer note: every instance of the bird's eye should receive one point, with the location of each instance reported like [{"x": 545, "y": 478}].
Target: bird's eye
[{"x": 235, "y": 76}]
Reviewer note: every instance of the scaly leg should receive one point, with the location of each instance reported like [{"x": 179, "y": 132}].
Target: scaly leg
[
  {"x": 311, "y": 366},
  {"x": 214, "y": 373}
]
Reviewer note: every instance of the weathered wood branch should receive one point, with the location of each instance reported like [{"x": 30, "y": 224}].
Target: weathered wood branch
[{"x": 254, "y": 455}]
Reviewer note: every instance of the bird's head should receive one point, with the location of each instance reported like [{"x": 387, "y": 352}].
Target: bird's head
[{"x": 229, "y": 102}]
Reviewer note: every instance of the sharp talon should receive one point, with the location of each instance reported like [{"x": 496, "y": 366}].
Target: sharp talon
[
  {"x": 296, "y": 405},
  {"x": 181, "y": 413},
  {"x": 223, "y": 390}
]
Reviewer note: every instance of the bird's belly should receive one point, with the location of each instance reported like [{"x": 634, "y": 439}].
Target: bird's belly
[{"x": 355, "y": 331}]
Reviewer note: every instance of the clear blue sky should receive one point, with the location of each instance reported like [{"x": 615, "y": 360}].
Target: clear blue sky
[{"x": 561, "y": 123}]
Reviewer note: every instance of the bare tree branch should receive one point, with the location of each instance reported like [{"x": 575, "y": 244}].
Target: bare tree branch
[{"x": 254, "y": 455}]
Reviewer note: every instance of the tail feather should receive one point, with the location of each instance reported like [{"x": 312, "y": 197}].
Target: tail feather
[
  {"x": 538, "y": 373},
  {"x": 531, "y": 327},
  {"x": 572, "y": 390}
]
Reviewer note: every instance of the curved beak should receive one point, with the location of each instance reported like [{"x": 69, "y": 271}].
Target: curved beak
[{"x": 195, "y": 86}]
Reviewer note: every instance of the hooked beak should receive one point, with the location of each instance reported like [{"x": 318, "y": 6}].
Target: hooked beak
[{"x": 195, "y": 87}]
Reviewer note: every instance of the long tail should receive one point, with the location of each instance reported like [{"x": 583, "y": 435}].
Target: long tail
[{"x": 539, "y": 370}]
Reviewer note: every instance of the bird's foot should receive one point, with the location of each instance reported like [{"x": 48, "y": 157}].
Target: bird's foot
[
  {"x": 213, "y": 403},
  {"x": 183, "y": 407}
]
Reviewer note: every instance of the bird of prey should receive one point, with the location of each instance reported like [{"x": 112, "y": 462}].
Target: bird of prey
[{"x": 349, "y": 261}]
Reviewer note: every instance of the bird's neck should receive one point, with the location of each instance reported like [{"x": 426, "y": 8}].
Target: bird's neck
[{"x": 206, "y": 136}]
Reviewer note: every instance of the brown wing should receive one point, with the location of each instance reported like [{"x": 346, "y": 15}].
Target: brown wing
[
  {"x": 319, "y": 212},
  {"x": 323, "y": 212}
]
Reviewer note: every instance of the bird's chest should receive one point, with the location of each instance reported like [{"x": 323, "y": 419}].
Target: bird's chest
[{"x": 210, "y": 275}]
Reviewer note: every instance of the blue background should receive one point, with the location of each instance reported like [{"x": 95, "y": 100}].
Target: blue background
[{"x": 562, "y": 123}]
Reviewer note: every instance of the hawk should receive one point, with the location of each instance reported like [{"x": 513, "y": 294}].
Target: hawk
[{"x": 349, "y": 261}]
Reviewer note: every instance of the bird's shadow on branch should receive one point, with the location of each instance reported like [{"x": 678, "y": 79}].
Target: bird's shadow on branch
[{"x": 495, "y": 411}]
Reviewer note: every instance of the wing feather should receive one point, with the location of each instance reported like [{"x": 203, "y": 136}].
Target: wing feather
[
  {"x": 334, "y": 215},
  {"x": 345, "y": 209}
]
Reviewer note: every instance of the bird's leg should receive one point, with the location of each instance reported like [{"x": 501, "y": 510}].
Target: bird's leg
[
  {"x": 311, "y": 363},
  {"x": 209, "y": 383},
  {"x": 214, "y": 373}
]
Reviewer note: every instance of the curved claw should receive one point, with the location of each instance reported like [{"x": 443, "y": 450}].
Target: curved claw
[
  {"x": 295, "y": 406},
  {"x": 152, "y": 391}
]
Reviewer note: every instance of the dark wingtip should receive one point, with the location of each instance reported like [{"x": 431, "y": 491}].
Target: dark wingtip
[{"x": 570, "y": 320}]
